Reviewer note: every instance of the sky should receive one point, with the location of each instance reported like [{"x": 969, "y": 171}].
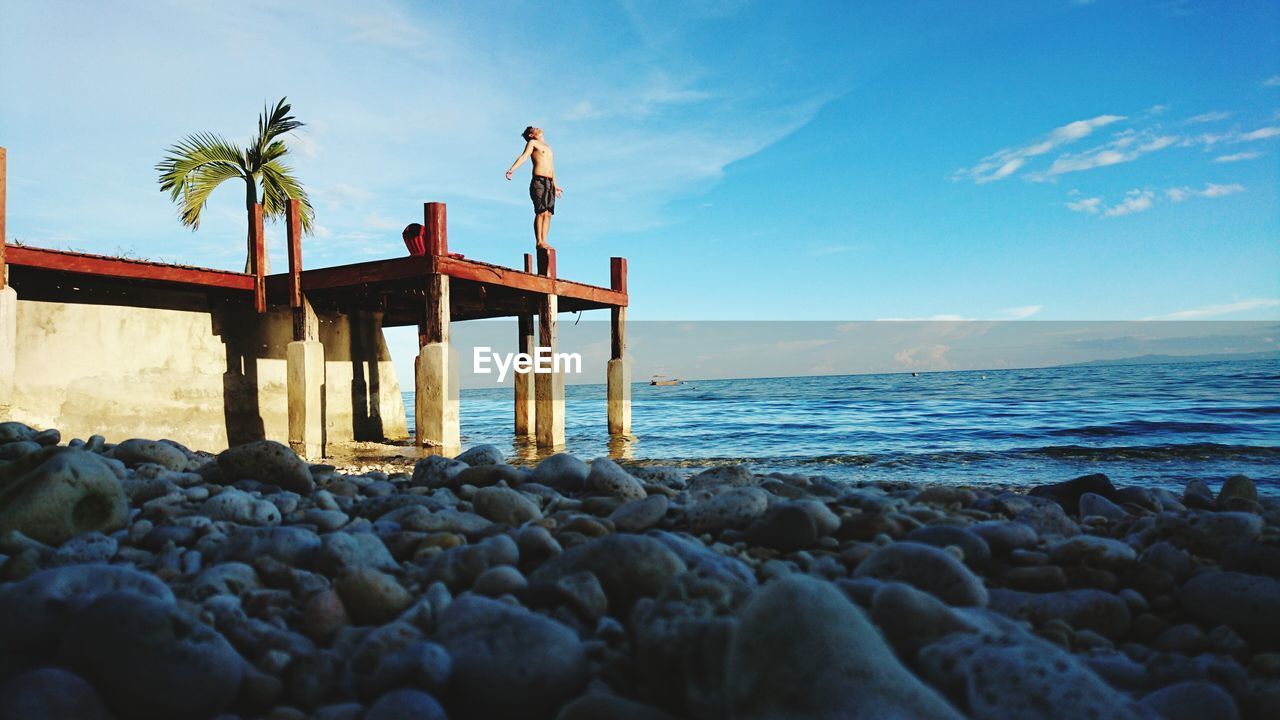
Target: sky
[{"x": 1051, "y": 160}]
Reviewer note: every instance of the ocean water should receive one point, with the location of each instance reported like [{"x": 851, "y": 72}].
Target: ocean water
[{"x": 1152, "y": 425}]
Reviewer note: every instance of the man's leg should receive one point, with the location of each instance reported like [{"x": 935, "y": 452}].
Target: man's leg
[
  {"x": 541, "y": 223},
  {"x": 537, "y": 229}
]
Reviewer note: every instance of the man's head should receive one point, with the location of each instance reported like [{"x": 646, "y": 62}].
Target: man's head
[{"x": 532, "y": 133}]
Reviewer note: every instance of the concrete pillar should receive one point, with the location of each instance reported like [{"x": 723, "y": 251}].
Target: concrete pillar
[
  {"x": 526, "y": 406},
  {"x": 619, "y": 371},
  {"x": 548, "y": 383},
  {"x": 8, "y": 346},
  {"x": 436, "y": 410},
  {"x": 305, "y": 362}
]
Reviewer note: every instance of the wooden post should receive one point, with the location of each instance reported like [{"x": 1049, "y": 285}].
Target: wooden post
[
  {"x": 436, "y": 392},
  {"x": 548, "y": 383},
  {"x": 436, "y": 228},
  {"x": 258, "y": 260},
  {"x": 293, "y": 221},
  {"x": 4, "y": 160},
  {"x": 525, "y": 402},
  {"x": 619, "y": 370}
]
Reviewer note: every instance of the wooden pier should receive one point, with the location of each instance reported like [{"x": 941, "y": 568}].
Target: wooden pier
[{"x": 429, "y": 291}]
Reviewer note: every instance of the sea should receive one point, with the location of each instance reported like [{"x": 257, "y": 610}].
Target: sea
[{"x": 1154, "y": 425}]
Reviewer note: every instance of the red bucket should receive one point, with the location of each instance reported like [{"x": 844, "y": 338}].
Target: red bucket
[{"x": 415, "y": 239}]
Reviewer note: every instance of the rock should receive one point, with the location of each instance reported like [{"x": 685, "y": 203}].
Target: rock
[
  {"x": 610, "y": 707},
  {"x": 91, "y": 547},
  {"x": 1095, "y": 504},
  {"x": 945, "y": 495},
  {"x": 423, "y": 665},
  {"x": 342, "y": 551},
  {"x": 17, "y": 449},
  {"x": 640, "y": 515},
  {"x": 1192, "y": 700},
  {"x": 1245, "y": 602},
  {"x": 459, "y": 567},
  {"x": 34, "y": 612},
  {"x": 1048, "y": 519},
  {"x": 629, "y": 567},
  {"x": 504, "y": 505},
  {"x": 825, "y": 662},
  {"x": 1093, "y": 551},
  {"x": 240, "y": 507},
  {"x": 421, "y": 519},
  {"x": 134, "y": 452},
  {"x": 269, "y": 462},
  {"x": 977, "y": 554},
  {"x": 928, "y": 568},
  {"x": 911, "y": 619},
  {"x": 290, "y": 545},
  {"x": 607, "y": 477},
  {"x": 482, "y": 455},
  {"x": 435, "y": 471},
  {"x": 151, "y": 659},
  {"x": 1003, "y": 537},
  {"x": 486, "y": 475},
  {"x": 1036, "y": 578},
  {"x": 1237, "y": 486},
  {"x": 1141, "y": 497},
  {"x": 563, "y": 472},
  {"x": 232, "y": 578},
  {"x": 1252, "y": 558},
  {"x": 1067, "y": 494},
  {"x": 786, "y": 527},
  {"x": 508, "y": 663},
  {"x": 50, "y": 694},
  {"x": 372, "y": 597},
  {"x": 733, "y": 508},
  {"x": 16, "y": 432},
  {"x": 58, "y": 493},
  {"x": 707, "y": 563},
  {"x": 1016, "y": 675},
  {"x": 324, "y": 615},
  {"x": 500, "y": 580},
  {"x": 406, "y": 705},
  {"x": 721, "y": 477},
  {"x": 1197, "y": 495},
  {"x": 1083, "y": 609}
]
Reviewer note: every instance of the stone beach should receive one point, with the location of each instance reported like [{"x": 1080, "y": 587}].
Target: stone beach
[{"x": 144, "y": 580}]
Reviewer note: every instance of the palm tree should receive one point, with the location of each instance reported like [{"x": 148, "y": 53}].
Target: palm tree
[{"x": 198, "y": 164}]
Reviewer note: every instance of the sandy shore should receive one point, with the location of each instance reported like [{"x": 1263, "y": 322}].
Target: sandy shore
[{"x": 143, "y": 580}]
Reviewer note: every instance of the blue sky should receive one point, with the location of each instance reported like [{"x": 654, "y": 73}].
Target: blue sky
[{"x": 1057, "y": 160}]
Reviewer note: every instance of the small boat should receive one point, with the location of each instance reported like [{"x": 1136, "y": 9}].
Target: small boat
[{"x": 664, "y": 380}]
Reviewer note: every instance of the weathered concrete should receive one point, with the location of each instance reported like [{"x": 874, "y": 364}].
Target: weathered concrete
[
  {"x": 305, "y": 360},
  {"x": 8, "y": 346},
  {"x": 548, "y": 381},
  {"x": 619, "y": 396},
  {"x": 526, "y": 406},
  {"x": 206, "y": 378},
  {"x": 436, "y": 408}
]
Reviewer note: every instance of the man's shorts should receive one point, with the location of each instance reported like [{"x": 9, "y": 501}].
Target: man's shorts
[{"x": 542, "y": 190}]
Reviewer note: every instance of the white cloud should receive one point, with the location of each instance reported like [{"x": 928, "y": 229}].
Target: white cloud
[
  {"x": 825, "y": 250},
  {"x": 1208, "y": 117},
  {"x": 1126, "y": 147},
  {"x": 1135, "y": 201},
  {"x": 1090, "y": 206},
  {"x": 931, "y": 318},
  {"x": 1217, "y": 310},
  {"x": 924, "y": 357},
  {"x": 1024, "y": 311},
  {"x": 1260, "y": 134},
  {"x": 1237, "y": 157},
  {"x": 1273, "y": 81},
  {"x": 1211, "y": 190},
  {"x": 1004, "y": 163}
]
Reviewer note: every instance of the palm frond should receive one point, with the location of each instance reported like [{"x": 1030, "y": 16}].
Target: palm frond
[
  {"x": 198, "y": 185},
  {"x": 193, "y": 153},
  {"x": 279, "y": 186},
  {"x": 272, "y": 123}
]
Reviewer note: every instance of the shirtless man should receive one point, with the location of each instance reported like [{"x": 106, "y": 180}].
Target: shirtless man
[{"x": 543, "y": 189}]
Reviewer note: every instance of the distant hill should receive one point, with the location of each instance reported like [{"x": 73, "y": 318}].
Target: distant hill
[{"x": 1165, "y": 359}]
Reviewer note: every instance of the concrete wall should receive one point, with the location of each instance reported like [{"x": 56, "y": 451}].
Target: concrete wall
[{"x": 208, "y": 378}]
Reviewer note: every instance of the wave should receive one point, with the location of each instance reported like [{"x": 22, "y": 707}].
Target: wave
[{"x": 1146, "y": 427}]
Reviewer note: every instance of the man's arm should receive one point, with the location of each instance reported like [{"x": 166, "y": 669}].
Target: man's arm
[{"x": 528, "y": 150}]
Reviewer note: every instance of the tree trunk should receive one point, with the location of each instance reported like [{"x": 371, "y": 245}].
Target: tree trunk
[{"x": 251, "y": 199}]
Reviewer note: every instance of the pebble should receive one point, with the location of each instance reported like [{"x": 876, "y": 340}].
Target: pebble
[
  {"x": 482, "y": 455},
  {"x": 732, "y": 508},
  {"x": 1003, "y": 537},
  {"x": 640, "y": 515},
  {"x": 628, "y": 566},
  {"x": 1192, "y": 700},
  {"x": 977, "y": 553},
  {"x": 151, "y": 659},
  {"x": 58, "y": 493},
  {"x": 1037, "y": 578},
  {"x": 504, "y": 505},
  {"x": 435, "y": 471},
  {"x": 1237, "y": 486},
  {"x": 607, "y": 477},
  {"x": 826, "y": 661},
  {"x": 1083, "y": 609},
  {"x": 1094, "y": 551},
  {"x": 508, "y": 663},
  {"x": 372, "y": 597},
  {"x": 406, "y": 705},
  {"x": 563, "y": 472},
  {"x": 500, "y": 580},
  {"x": 927, "y": 568},
  {"x": 1067, "y": 494},
  {"x": 269, "y": 462},
  {"x": 50, "y": 694},
  {"x": 290, "y": 545},
  {"x": 786, "y": 526},
  {"x": 1247, "y": 603},
  {"x": 135, "y": 451},
  {"x": 1095, "y": 504},
  {"x": 610, "y": 707},
  {"x": 240, "y": 507},
  {"x": 342, "y": 551}
]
